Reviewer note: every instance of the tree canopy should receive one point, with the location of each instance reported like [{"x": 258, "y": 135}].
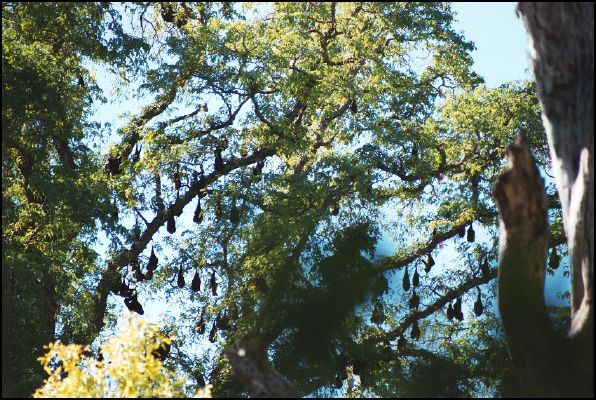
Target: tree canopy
[{"x": 276, "y": 145}]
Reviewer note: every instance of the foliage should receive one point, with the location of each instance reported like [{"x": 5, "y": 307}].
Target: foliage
[
  {"x": 128, "y": 367},
  {"x": 304, "y": 132}
]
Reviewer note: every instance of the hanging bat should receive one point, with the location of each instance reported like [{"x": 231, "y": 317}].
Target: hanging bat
[
  {"x": 406, "y": 281},
  {"x": 180, "y": 278}
]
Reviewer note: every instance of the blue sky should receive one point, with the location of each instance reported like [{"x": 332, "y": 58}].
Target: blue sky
[{"x": 501, "y": 44}]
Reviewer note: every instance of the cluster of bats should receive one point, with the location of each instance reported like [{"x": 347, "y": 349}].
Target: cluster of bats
[
  {"x": 121, "y": 288},
  {"x": 414, "y": 301},
  {"x": 112, "y": 167},
  {"x": 221, "y": 322}
]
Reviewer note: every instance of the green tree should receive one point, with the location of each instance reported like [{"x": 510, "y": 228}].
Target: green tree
[
  {"x": 52, "y": 189},
  {"x": 292, "y": 136}
]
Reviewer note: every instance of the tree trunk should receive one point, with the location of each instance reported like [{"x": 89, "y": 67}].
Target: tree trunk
[{"x": 562, "y": 39}]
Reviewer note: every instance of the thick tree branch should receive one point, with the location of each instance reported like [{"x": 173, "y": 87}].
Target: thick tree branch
[
  {"x": 435, "y": 306},
  {"x": 65, "y": 153},
  {"x": 323, "y": 125},
  {"x": 254, "y": 371}
]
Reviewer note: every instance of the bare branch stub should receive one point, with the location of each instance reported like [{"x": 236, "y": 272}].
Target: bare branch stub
[{"x": 520, "y": 192}]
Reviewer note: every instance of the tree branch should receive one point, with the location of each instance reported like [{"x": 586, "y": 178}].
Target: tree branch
[
  {"x": 394, "y": 262},
  {"x": 254, "y": 371},
  {"x": 435, "y": 306}
]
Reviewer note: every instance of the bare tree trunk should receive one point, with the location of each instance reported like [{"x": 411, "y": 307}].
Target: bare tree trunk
[{"x": 562, "y": 38}]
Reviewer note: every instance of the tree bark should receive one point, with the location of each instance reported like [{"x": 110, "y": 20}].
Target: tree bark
[
  {"x": 532, "y": 341},
  {"x": 253, "y": 370},
  {"x": 562, "y": 41}
]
